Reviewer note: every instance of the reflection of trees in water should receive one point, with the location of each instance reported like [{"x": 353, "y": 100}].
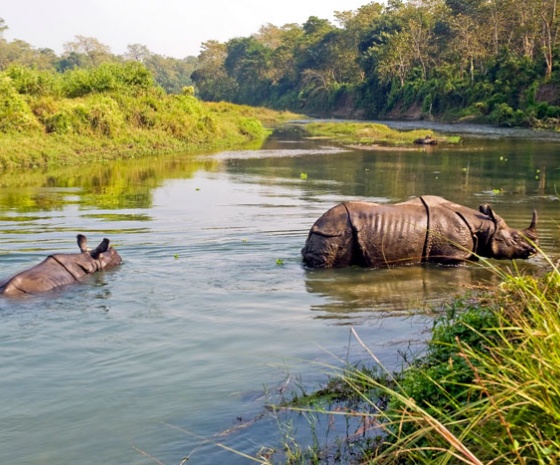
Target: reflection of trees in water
[
  {"x": 351, "y": 291},
  {"x": 108, "y": 185},
  {"x": 477, "y": 166}
]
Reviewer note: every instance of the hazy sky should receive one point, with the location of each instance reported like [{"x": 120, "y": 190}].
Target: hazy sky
[{"x": 174, "y": 28}]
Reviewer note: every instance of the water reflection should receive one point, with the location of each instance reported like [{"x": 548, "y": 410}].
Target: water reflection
[
  {"x": 497, "y": 167},
  {"x": 110, "y": 185},
  {"x": 406, "y": 290}
]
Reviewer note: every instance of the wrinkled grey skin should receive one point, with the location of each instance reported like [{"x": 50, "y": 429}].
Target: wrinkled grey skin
[
  {"x": 61, "y": 269},
  {"x": 424, "y": 229}
]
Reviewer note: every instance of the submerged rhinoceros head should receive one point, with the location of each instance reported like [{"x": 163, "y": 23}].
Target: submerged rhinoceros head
[
  {"x": 104, "y": 254},
  {"x": 508, "y": 243}
]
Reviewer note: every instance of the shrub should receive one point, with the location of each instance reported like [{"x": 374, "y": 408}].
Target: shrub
[
  {"x": 108, "y": 77},
  {"x": 33, "y": 82},
  {"x": 15, "y": 113}
]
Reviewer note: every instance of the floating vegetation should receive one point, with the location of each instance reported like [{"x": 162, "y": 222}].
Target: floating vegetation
[{"x": 375, "y": 134}]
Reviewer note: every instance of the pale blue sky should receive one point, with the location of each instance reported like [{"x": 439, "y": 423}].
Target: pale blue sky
[{"x": 174, "y": 28}]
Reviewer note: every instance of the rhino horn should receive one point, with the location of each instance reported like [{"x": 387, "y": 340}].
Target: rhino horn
[{"x": 531, "y": 231}]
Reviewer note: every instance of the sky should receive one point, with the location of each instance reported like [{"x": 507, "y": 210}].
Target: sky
[{"x": 174, "y": 28}]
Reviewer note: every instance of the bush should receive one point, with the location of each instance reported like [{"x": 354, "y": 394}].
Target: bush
[
  {"x": 108, "y": 77},
  {"x": 33, "y": 82},
  {"x": 15, "y": 113},
  {"x": 504, "y": 115}
]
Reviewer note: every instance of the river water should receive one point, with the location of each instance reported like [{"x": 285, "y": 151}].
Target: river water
[{"x": 212, "y": 312}]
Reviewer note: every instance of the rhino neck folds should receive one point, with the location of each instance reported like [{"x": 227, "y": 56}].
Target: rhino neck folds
[
  {"x": 427, "y": 239},
  {"x": 76, "y": 278},
  {"x": 440, "y": 247},
  {"x": 357, "y": 256},
  {"x": 473, "y": 234}
]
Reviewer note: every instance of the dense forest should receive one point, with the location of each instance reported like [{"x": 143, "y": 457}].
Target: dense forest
[
  {"x": 479, "y": 60},
  {"x": 490, "y": 60}
]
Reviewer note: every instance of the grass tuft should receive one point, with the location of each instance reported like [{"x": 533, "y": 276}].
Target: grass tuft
[{"x": 485, "y": 391}]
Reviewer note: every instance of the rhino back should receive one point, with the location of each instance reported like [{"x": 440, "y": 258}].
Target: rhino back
[
  {"x": 47, "y": 275},
  {"x": 389, "y": 235},
  {"x": 78, "y": 264}
]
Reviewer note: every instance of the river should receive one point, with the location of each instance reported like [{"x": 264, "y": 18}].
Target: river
[{"x": 212, "y": 312}]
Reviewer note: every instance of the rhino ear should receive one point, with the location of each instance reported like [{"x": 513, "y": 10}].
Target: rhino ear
[
  {"x": 487, "y": 210},
  {"x": 484, "y": 209},
  {"x": 101, "y": 248},
  {"x": 82, "y": 242}
]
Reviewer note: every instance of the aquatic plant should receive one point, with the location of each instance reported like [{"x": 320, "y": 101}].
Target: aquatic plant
[{"x": 372, "y": 133}]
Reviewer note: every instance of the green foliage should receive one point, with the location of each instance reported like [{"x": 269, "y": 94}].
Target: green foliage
[
  {"x": 401, "y": 59},
  {"x": 15, "y": 114},
  {"x": 371, "y": 133},
  {"x": 486, "y": 390},
  {"x": 34, "y": 82},
  {"x": 110, "y": 111},
  {"x": 109, "y": 77}
]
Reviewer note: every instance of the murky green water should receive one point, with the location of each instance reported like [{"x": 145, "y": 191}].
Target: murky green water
[{"x": 212, "y": 302}]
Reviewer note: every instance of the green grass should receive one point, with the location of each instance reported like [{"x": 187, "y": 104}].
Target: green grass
[
  {"x": 485, "y": 391},
  {"x": 372, "y": 134},
  {"x": 113, "y": 112}
]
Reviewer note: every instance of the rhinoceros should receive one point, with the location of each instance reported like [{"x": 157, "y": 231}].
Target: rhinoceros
[
  {"x": 423, "y": 229},
  {"x": 62, "y": 269}
]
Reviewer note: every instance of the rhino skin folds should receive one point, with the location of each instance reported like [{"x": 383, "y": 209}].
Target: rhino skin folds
[{"x": 423, "y": 229}]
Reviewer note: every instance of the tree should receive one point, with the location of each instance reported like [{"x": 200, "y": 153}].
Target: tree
[
  {"x": 3, "y": 27},
  {"x": 171, "y": 73},
  {"x": 550, "y": 29},
  {"x": 211, "y": 79},
  {"x": 395, "y": 57},
  {"x": 248, "y": 63},
  {"x": 137, "y": 52},
  {"x": 95, "y": 52},
  {"x": 467, "y": 44}
]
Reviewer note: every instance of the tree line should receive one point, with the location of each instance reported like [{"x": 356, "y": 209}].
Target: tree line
[
  {"x": 490, "y": 60},
  {"x": 480, "y": 60},
  {"x": 87, "y": 52}
]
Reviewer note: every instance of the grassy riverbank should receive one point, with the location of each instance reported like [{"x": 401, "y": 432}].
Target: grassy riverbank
[
  {"x": 485, "y": 390},
  {"x": 373, "y": 134},
  {"x": 114, "y": 111}
]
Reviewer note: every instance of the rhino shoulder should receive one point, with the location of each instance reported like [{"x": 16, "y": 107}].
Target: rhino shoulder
[
  {"x": 334, "y": 222},
  {"x": 77, "y": 264}
]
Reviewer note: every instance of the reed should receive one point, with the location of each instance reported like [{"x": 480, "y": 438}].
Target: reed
[{"x": 485, "y": 391}]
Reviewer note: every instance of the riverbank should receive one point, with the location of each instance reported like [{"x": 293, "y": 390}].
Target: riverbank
[
  {"x": 212, "y": 127},
  {"x": 113, "y": 112},
  {"x": 485, "y": 389}
]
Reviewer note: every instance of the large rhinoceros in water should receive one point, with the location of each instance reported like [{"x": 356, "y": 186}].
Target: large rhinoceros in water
[
  {"x": 61, "y": 269},
  {"x": 423, "y": 229}
]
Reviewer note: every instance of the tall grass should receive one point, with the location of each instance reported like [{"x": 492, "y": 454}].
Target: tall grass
[{"x": 485, "y": 391}]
